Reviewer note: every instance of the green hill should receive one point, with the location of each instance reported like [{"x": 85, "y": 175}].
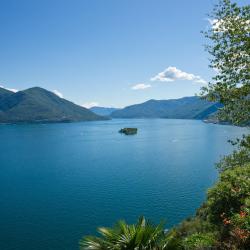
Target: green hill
[
  {"x": 4, "y": 93},
  {"x": 183, "y": 108},
  {"x": 40, "y": 105}
]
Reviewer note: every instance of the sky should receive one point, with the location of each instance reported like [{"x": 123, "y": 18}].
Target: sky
[{"x": 105, "y": 52}]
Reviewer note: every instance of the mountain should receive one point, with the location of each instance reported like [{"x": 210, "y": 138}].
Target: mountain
[
  {"x": 4, "y": 93},
  {"x": 40, "y": 105},
  {"x": 103, "y": 111},
  {"x": 183, "y": 108}
]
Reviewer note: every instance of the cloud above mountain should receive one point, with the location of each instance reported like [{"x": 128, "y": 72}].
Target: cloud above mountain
[
  {"x": 58, "y": 93},
  {"x": 141, "y": 86},
  {"x": 171, "y": 74},
  {"x": 10, "y": 89},
  {"x": 89, "y": 105}
]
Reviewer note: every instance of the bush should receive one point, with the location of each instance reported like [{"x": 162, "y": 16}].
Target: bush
[
  {"x": 199, "y": 241},
  {"x": 229, "y": 194}
]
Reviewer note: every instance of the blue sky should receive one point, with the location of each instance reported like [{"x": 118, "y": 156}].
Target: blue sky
[{"x": 108, "y": 52}]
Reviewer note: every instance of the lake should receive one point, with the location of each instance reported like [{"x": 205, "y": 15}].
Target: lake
[{"x": 59, "y": 182}]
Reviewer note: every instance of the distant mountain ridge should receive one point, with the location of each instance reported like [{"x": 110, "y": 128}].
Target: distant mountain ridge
[
  {"x": 184, "y": 108},
  {"x": 4, "y": 93},
  {"x": 103, "y": 110},
  {"x": 40, "y": 105}
]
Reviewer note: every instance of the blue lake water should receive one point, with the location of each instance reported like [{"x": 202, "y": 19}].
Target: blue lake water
[{"x": 59, "y": 182}]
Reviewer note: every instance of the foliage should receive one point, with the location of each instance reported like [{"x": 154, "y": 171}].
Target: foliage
[
  {"x": 196, "y": 231},
  {"x": 128, "y": 131},
  {"x": 223, "y": 221},
  {"x": 229, "y": 194},
  {"x": 239, "y": 157},
  {"x": 199, "y": 241},
  {"x": 194, "y": 225},
  {"x": 228, "y": 205},
  {"x": 142, "y": 235},
  {"x": 230, "y": 56}
]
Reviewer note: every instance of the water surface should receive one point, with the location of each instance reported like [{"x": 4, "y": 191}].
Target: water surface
[{"x": 60, "y": 181}]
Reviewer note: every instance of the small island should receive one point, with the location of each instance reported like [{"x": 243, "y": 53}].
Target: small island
[{"x": 128, "y": 131}]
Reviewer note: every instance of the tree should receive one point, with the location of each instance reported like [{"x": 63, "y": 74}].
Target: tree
[
  {"x": 142, "y": 235},
  {"x": 229, "y": 48},
  {"x": 228, "y": 206},
  {"x": 199, "y": 241},
  {"x": 239, "y": 157}
]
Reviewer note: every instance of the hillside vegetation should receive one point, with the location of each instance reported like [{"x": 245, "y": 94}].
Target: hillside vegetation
[
  {"x": 40, "y": 105},
  {"x": 183, "y": 108}
]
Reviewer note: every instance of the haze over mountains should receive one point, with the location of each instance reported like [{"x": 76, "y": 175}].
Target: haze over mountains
[
  {"x": 40, "y": 105},
  {"x": 183, "y": 108},
  {"x": 103, "y": 111}
]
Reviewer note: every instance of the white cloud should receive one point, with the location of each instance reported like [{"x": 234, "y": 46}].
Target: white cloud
[
  {"x": 89, "y": 105},
  {"x": 171, "y": 74},
  {"x": 141, "y": 86},
  {"x": 58, "y": 93},
  {"x": 12, "y": 90}
]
